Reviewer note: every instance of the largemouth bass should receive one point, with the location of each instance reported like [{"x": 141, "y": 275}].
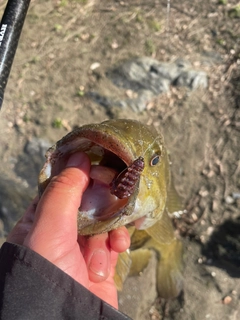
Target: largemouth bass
[{"x": 130, "y": 185}]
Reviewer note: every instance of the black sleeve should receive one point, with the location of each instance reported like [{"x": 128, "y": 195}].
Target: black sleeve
[{"x": 31, "y": 287}]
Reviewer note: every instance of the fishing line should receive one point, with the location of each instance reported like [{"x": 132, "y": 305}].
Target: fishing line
[{"x": 10, "y": 31}]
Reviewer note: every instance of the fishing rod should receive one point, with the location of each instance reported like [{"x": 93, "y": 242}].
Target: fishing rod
[{"x": 10, "y": 31}]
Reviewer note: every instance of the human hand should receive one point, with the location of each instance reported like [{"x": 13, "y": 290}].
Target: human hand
[{"x": 49, "y": 227}]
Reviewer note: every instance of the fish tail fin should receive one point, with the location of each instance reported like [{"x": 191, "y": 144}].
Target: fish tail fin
[{"x": 170, "y": 270}]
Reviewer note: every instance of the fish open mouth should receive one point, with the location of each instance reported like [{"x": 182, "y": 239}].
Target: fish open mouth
[{"x": 99, "y": 203}]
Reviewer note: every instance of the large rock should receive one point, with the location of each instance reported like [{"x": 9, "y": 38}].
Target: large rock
[
  {"x": 146, "y": 78},
  {"x": 14, "y": 199},
  {"x": 31, "y": 161}
]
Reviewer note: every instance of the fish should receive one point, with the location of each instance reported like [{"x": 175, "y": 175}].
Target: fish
[{"x": 130, "y": 185}]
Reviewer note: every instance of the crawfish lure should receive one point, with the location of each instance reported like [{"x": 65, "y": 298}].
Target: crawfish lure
[{"x": 123, "y": 185}]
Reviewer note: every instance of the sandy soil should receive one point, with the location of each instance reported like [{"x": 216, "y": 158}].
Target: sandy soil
[{"x": 65, "y": 50}]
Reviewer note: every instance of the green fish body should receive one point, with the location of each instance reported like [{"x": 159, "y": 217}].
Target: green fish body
[{"x": 130, "y": 185}]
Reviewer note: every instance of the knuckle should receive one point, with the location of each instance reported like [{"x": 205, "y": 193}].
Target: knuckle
[{"x": 65, "y": 180}]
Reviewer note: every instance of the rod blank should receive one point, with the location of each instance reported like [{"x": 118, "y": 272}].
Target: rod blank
[{"x": 10, "y": 31}]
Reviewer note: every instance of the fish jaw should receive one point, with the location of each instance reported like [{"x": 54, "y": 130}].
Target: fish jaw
[{"x": 151, "y": 209}]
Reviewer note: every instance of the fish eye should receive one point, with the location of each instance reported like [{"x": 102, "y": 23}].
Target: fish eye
[{"x": 155, "y": 159}]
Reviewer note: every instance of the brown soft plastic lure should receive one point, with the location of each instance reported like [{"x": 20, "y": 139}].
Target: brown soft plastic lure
[{"x": 123, "y": 185}]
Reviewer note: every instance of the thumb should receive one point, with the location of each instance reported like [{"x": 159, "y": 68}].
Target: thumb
[{"x": 54, "y": 230}]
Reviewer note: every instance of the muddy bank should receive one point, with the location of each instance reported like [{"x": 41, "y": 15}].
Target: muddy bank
[{"x": 47, "y": 96}]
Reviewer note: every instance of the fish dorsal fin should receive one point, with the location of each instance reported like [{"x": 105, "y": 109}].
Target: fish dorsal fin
[
  {"x": 174, "y": 201},
  {"x": 162, "y": 231}
]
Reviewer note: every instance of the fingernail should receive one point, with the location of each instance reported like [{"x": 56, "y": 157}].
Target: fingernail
[
  {"x": 99, "y": 263},
  {"x": 76, "y": 160}
]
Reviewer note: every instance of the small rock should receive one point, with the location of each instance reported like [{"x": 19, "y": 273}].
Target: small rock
[
  {"x": 229, "y": 200},
  {"x": 210, "y": 230},
  {"x": 236, "y": 195},
  {"x": 95, "y": 65},
  {"x": 227, "y": 300}
]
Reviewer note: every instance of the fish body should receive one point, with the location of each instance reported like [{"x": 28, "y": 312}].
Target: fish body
[
  {"x": 169, "y": 253},
  {"x": 130, "y": 185}
]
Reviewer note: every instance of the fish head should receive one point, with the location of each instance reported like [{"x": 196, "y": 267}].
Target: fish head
[
  {"x": 154, "y": 180},
  {"x": 123, "y": 153}
]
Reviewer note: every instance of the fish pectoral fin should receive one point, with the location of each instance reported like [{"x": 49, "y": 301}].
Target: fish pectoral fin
[
  {"x": 170, "y": 269},
  {"x": 162, "y": 231},
  {"x": 122, "y": 269},
  {"x": 140, "y": 259}
]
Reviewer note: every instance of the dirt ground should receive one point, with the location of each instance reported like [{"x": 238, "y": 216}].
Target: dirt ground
[{"x": 66, "y": 48}]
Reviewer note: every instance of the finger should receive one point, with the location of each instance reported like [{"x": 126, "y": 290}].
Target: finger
[
  {"x": 55, "y": 227},
  {"x": 97, "y": 256},
  {"x": 107, "y": 290},
  {"x": 24, "y": 225},
  {"x": 119, "y": 239}
]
